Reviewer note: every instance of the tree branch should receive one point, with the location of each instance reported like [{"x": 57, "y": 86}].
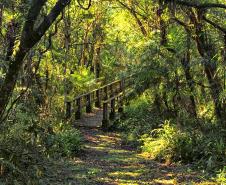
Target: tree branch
[
  {"x": 186, "y": 27},
  {"x": 34, "y": 11},
  {"x": 134, "y": 13},
  {"x": 51, "y": 17},
  {"x": 198, "y": 5},
  {"x": 215, "y": 25},
  {"x": 85, "y": 8},
  {"x": 29, "y": 38}
]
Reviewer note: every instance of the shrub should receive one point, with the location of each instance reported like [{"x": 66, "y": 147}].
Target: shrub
[
  {"x": 173, "y": 144},
  {"x": 221, "y": 176},
  {"x": 68, "y": 142}
]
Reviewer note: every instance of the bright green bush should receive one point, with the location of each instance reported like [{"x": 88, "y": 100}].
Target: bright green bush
[
  {"x": 68, "y": 142},
  {"x": 173, "y": 144},
  {"x": 221, "y": 176}
]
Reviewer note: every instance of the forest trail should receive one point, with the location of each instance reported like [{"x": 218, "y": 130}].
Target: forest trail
[
  {"x": 106, "y": 161},
  {"x": 91, "y": 120}
]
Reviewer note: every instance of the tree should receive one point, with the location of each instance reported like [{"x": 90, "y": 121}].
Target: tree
[{"x": 31, "y": 34}]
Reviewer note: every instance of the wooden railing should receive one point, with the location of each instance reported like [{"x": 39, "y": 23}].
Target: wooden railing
[{"x": 108, "y": 97}]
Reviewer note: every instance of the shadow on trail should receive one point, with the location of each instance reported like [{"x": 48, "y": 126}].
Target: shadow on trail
[{"x": 105, "y": 161}]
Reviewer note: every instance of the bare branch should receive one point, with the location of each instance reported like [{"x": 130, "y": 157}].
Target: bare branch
[
  {"x": 51, "y": 35},
  {"x": 82, "y": 6},
  {"x": 186, "y": 27},
  {"x": 215, "y": 25},
  {"x": 134, "y": 13}
]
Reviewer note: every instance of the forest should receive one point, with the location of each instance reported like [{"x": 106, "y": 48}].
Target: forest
[{"x": 128, "y": 92}]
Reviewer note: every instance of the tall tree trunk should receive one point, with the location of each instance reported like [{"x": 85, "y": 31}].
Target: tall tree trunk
[
  {"x": 186, "y": 67},
  {"x": 1, "y": 16},
  {"x": 224, "y": 71},
  {"x": 207, "y": 51},
  {"x": 67, "y": 41},
  {"x": 97, "y": 62},
  {"x": 30, "y": 36},
  {"x": 85, "y": 47},
  {"x": 162, "y": 24},
  {"x": 11, "y": 38}
]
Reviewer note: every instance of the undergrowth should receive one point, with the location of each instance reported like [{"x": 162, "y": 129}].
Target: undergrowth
[
  {"x": 31, "y": 140},
  {"x": 172, "y": 139}
]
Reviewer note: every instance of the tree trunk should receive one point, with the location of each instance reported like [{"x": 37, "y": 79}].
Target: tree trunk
[
  {"x": 30, "y": 36},
  {"x": 186, "y": 67},
  {"x": 11, "y": 38},
  {"x": 1, "y": 16},
  {"x": 162, "y": 24},
  {"x": 10, "y": 80},
  {"x": 207, "y": 51}
]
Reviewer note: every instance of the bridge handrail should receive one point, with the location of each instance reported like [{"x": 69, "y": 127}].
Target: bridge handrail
[{"x": 109, "y": 95}]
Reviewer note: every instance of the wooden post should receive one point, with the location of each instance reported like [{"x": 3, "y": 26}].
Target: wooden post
[
  {"x": 121, "y": 85},
  {"x": 88, "y": 104},
  {"x": 98, "y": 101},
  {"x": 111, "y": 89},
  {"x": 118, "y": 87},
  {"x": 105, "y": 121},
  {"x": 122, "y": 89},
  {"x": 120, "y": 109},
  {"x": 112, "y": 113},
  {"x": 68, "y": 110},
  {"x": 78, "y": 112},
  {"x": 105, "y": 92}
]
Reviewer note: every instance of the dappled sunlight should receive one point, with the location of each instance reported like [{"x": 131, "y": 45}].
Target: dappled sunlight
[
  {"x": 125, "y": 175},
  {"x": 107, "y": 162},
  {"x": 165, "y": 182}
]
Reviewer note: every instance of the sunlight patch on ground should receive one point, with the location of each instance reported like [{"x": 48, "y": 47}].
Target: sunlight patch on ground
[
  {"x": 120, "y": 173},
  {"x": 166, "y": 182},
  {"x": 115, "y": 151}
]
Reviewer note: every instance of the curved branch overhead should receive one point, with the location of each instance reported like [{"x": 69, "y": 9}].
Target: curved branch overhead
[
  {"x": 222, "y": 29},
  {"x": 195, "y": 4},
  {"x": 82, "y": 6}
]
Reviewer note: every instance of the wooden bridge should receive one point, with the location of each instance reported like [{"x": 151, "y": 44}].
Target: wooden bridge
[{"x": 100, "y": 107}]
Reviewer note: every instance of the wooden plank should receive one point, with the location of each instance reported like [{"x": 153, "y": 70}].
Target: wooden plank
[{"x": 114, "y": 97}]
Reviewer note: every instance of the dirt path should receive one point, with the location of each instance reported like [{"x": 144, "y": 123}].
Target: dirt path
[{"x": 106, "y": 162}]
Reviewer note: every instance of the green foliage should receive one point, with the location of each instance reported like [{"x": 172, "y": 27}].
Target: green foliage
[
  {"x": 181, "y": 139},
  {"x": 138, "y": 119},
  {"x": 82, "y": 81},
  {"x": 67, "y": 143},
  {"x": 221, "y": 176},
  {"x": 18, "y": 156},
  {"x": 32, "y": 137},
  {"x": 173, "y": 144}
]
